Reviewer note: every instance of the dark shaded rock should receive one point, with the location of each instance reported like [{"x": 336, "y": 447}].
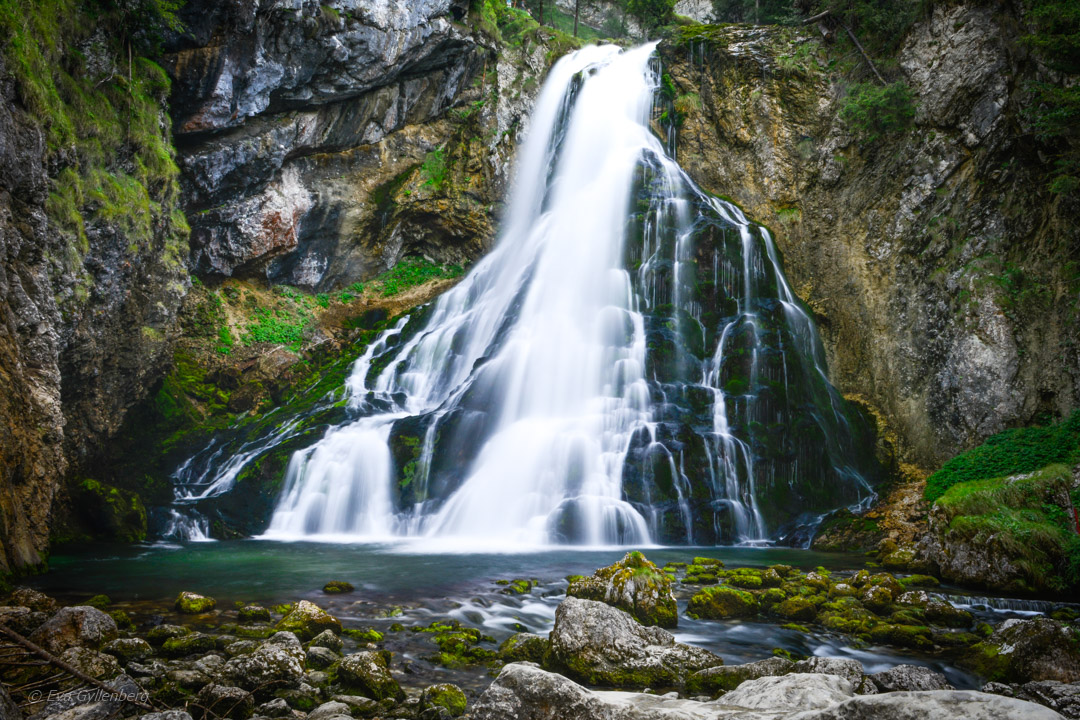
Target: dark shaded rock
[
  {"x": 523, "y": 647},
  {"x": 78, "y": 626},
  {"x": 222, "y": 701},
  {"x": 1021, "y": 651},
  {"x": 253, "y": 614}
]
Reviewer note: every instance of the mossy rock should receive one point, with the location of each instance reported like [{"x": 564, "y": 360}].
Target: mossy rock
[
  {"x": 306, "y": 620},
  {"x": 363, "y": 635},
  {"x": 158, "y": 635},
  {"x": 635, "y": 585},
  {"x": 253, "y": 614},
  {"x": 843, "y": 590},
  {"x": 909, "y": 636},
  {"x": 721, "y": 603},
  {"x": 368, "y": 674},
  {"x": 108, "y": 512},
  {"x": 518, "y": 586},
  {"x": 925, "y": 581},
  {"x": 99, "y": 601},
  {"x": 877, "y": 598},
  {"x": 523, "y": 647},
  {"x": 123, "y": 620},
  {"x": 797, "y": 608},
  {"x": 336, "y": 587},
  {"x": 743, "y": 578},
  {"x": 444, "y": 695},
  {"x": 704, "y": 561},
  {"x": 195, "y": 643},
  {"x": 945, "y": 615},
  {"x": 190, "y": 603}
]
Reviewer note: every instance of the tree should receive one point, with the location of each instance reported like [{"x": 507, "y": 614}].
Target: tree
[{"x": 651, "y": 14}]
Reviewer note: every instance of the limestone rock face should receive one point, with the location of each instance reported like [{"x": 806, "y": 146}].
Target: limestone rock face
[
  {"x": 912, "y": 321},
  {"x": 601, "y": 645}
]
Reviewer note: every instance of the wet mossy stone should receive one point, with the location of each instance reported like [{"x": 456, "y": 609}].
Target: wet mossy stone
[
  {"x": 718, "y": 680},
  {"x": 743, "y": 578},
  {"x": 128, "y": 649},
  {"x": 123, "y": 620},
  {"x": 306, "y": 620},
  {"x": 925, "y": 581},
  {"x": 329, "y": 640},
  {"x": 523, "y": 647},
  {"x": 368, "y": 674},
  {"x": 518, "y": 586},
  {"x": 158, "y": 635},
  {"x": 876, "y": 598},
  {"x": 1021, "y": 651},
  {"x": 444, "y": 695},
  {"x": 195, "y": 643},
  {"x": 721, "y": 603},
  {"x": 635, "y": 585},
  {"x": 796, "y": 608},
  {"x": 190, "y": 603},
  {"x": 363, "y": 635},
  {"x": 253, "y": 614},
  {"x": 716, "y": 564},
  {"x": 336, "y": 587},
  {"x": 909, "y": 636},
  {"x": 99, "y": 601}
]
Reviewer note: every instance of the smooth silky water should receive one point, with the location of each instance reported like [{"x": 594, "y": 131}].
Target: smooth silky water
[{"x": 628, "y": 367}]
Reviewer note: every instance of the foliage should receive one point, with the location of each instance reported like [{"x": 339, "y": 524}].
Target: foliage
[
  {"x": 1055, "y": 112},
  {"x": 754, "y": 11},
  {"x": 1014, "y": 451},
  {"x": 142, "y": 23},
  {"x": 413, "y": 271},
  {"x": 651, "y": 14},
  {"x": 434, "y": 171},
  {"x": 880, "y": 24},
  {"x": 874, "y": 112}
]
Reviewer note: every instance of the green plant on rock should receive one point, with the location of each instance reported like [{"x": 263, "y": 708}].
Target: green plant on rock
[
  {"x": 413, "y": 271},
  {"x": 874, "y": 112}
]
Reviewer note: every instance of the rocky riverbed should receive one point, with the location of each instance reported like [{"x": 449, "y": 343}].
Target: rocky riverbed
[{"x": 606, "y": 653}]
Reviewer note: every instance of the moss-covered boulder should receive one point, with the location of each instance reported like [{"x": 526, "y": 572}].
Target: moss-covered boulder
[
  {"x": 253, "y": 614},
  {"x": 329, "y": 640},
  {"x": 523, "y": 647},
  {"x": 128, "y": 649},
  {"x": 721, "y": 602},
  {"x": 1022, "y": 651},
  {"x": 718, "y": 680},
  {"x": 876, "y": 598},
  {"x": 799, "y": 609},
  {"x": 337, "y": 587},
  {"x": 306, "y": 620},
  {"x": 635, "y": 585},
  {"x": 368, "y": 674},
  {"x": 444, "y": 695},
  {"x": 159, "y": 634},
  {"x": 917, "y": 637},
  {"x": 195, "y": 643},
  {"x": 190, "y": 603}
]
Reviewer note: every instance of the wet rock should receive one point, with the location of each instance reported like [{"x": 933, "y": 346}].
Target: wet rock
[
  {"x": 523, "y": 647},
  {"x": 223, "y": 701},
  {"x": 307, "y": 620},
  {"x": 278, "y": 662},
  {"x": 1062, "y": 697},
  {"x": 359, "y": 706},
  {"x": 190, "y": 603},
  {"x": 876, "y": 598},
  {"x": 718, "y": 680},
  {"x": 368, "y": 673},
  {"x": 320, "y": 658},
  {"x": 33, "y": 599},
  {"x": 635, "y": 585},
  {"x": 801, "y": 691},
  {"x": 253, "y": 614},
  {"x": 275, "y": 708},
  {"x": 909, "y": 677},
  {"x": 1025, "y": 650},
  {"x": 328, "y": 640},
  {"x": 332, "y": 709},
  {"x": 93, "y": 663},
  {"x": 445, "y": 696},
  {"x": 93, "y": 705},
  {"x": 799, "y": 609},
  {"x": 190, "y": 644},
  {"x": 336, "y": 587},
  {"x": 188, "y": 679},
  {"x": 22, "y": 619},
  {"x": 720, "y": 603},
  {"x": 935, "y": 704},
  {"x": 78, "y": 626},
  {"x": 914, "y": 598},
  {"x": 129, "y": 649},
  {"x": 158, "y": 635},
  {"x": 167, "y": 715},
  {"x": 241, "y": 647},
  {"x": 602, "y": 645},
  {"x": 850, "y": 670},
  {"x": 944, "y": 614}
]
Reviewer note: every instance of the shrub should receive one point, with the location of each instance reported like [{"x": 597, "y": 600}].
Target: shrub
[{"x": 874, "y": 112}]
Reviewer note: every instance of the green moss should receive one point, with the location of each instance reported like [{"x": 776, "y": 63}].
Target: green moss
[
  {"x": 413, "y": 271},
  {"x": 445, "y": 696},
  {"x": 796, "y": 608},
  {"x": 99, "y": 601},
  {"x": 365, "y": 635},
  {"x": 123, "y": 620},
  {"x": 337, "y": 586},
  {"x": 1014, "y": 451},
  {"x": 720, "y": 603}
]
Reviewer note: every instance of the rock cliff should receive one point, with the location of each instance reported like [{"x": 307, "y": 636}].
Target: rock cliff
[{"x": 942, "y": 273}]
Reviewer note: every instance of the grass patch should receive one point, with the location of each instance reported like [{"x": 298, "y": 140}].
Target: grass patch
[
  {"x": 1020, "y": 450},
  {"x": 413, "y": 271}
]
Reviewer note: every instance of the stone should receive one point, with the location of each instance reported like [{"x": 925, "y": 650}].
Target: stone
[
  {"x": 876, "y": 598},
  {"x": 275, "y": 708},
  {"x": 320, "y": 658},
  {"x": 1021, "y": 651},
  {"x": 34, "y": 600},
  {"x": 158, "y": 635},
  {"x": 253, "y": 614},
  {"x": 77, "y": 626},
  {"x": 718, "y": 680},
  {"x": 909, "y": 677},
  {"x": 94, "y": 705},
  {"x": 446, "y": 696},
  {"x": 795, "y": 691},
  {"x": 191, "y": 644},
  {"x": 93, "y": 663},
  {"x": 368, "y": 673},
  {"x": 22, "y": 620},
  {"x": 632, "y": 584},
  {"x": 129, "y": 649},
  {"x": 1062, "y": 697},
  {"x": 336, "y": 587},
  {"x": 359, "y": 706},
  {"x": 850, "y": 670},
  {"x": 523, "y": 647},
  {"x": 188, "y": 679},
  {"x": 799, "y": 609},
  {"x": 190, "y": 603},
  {"x": 916, "y": 598},
  {"x": 328, "y": 640},
  {"x": 223, "y": 701},
  {"x": 944, "y": 614},
  {"x": 332, "y": 709},
  {"x": 278, "y": 662},
  {"x": 935, "y": 705},
  {"x": 601, "y": 645},
  {"x": 307, "y": 620},
  {"x": 167, "y": 715},
  {"x": 721, "y": 603}
]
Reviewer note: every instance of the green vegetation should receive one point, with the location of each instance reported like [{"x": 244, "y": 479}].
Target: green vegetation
[
  {"x": 651, "y": 14},
  {"x": 874, "y": 112},
  {"x": 1014, "y": 451},
  {"x": 413, "y": 271},
  {"x": 434, "y": 171}
]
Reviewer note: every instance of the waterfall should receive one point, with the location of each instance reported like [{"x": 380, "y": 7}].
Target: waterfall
[{"x": 629, "y": 364}]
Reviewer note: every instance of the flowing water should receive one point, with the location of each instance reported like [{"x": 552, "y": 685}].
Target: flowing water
[{"x": 628, "y": 366}]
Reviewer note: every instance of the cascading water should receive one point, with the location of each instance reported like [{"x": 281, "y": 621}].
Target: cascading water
[{"x": 627, "y": 366}]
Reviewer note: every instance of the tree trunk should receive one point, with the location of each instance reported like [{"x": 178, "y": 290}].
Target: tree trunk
[
  {"x": 541, "y": 12},
  {"x": 577, "y": 9}
]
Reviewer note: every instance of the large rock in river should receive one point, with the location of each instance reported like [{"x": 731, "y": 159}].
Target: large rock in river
[
  {"x": 602, "y": 645},
  {"x": 307, "y": 620},
  {"x": 78, "y": 626},
  {"x": 1024, "y": 650},
  {"x": 635, "y": 585}
]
